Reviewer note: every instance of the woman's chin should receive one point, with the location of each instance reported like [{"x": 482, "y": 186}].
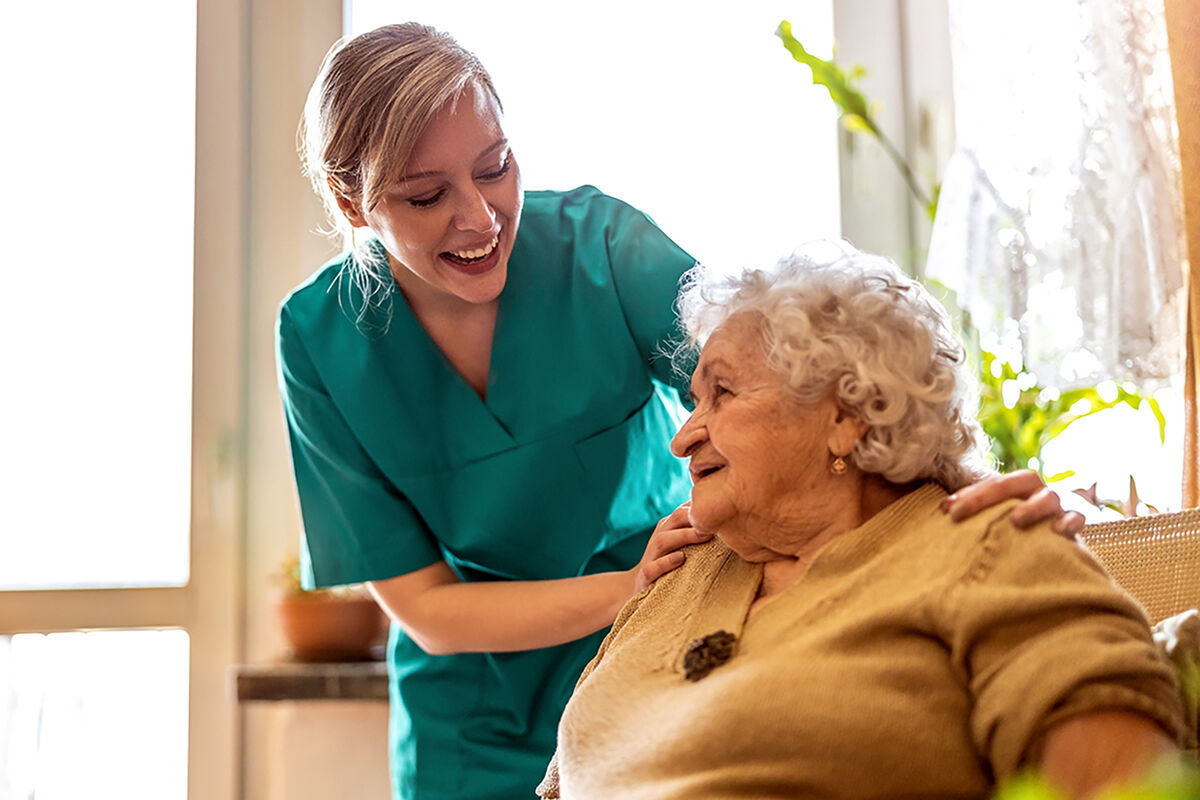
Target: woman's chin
[
  {"x": 701, "y": 519},
  {"x": 479, "y": 289}
]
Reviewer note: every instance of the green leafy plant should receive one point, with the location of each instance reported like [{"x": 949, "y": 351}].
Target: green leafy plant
[
  {"x": 856, "y": 111},
  {"x": 1020, "y": 420},
  {"x": 1022, "y": 417},
  {"x": 1166, "y": 781}
]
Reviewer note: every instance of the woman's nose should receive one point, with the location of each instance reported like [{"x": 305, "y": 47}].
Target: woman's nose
[
  {"x": 690, "y": 435},
  {"x": 474, "y": 212}
]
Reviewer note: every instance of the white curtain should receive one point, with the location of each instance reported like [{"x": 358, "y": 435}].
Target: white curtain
[{"x": 1059, "y": 223}]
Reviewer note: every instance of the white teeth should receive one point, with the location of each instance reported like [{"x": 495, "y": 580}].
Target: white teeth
[{"x": 472, "y": 254}]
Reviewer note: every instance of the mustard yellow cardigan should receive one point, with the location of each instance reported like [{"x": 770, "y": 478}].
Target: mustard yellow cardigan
[{"x": 915, "y": 658}]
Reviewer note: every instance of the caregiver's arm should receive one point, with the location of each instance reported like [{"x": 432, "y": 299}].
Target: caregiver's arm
[
  {"x": 1040, "y": 503},
  {"x": 445, "y": 615},
  {"x": 1098, "y": 750}
]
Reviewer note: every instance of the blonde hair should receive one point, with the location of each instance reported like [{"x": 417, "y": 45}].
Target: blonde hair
[
  {"x": 372, "y": 99},
  {"x": 841, "y": 322}
]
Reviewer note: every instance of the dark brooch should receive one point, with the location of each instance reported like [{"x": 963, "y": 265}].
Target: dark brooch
[{"x": 706, "y": 654}]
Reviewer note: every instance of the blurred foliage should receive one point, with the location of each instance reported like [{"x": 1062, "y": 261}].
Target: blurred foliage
[
  {"x": 1169, "y": 780},
  {"x": 1021, "y": 416},
  {"x": 856, "y": 111},
  {"x": 1027, "y": 786},
  {"x": 1127, "y": 507}
]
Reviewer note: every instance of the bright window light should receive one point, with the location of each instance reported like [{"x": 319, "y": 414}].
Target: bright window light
[
  {"x": 101, "y": 715},
  {"x": 692, "y": 112},
  {"x": 96, "y": 305}
]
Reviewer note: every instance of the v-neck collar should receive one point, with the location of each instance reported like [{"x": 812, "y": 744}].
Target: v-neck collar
[
  {"x": 467, "y": 399},
  {"x": 735, "y": 582}
]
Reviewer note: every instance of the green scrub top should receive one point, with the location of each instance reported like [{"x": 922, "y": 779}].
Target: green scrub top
[{"x": 562, "y": 470}]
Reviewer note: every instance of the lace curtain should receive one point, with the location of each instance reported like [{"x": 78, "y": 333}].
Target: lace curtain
[{"x": 1059, "y": 223}]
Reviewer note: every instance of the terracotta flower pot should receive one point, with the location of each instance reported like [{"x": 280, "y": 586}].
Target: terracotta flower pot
[{"x": 319, "y": 626}]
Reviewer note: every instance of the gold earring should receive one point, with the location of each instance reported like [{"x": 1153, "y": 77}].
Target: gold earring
[{"x": 838, "y": 467}]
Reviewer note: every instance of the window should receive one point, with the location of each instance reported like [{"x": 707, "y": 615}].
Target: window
[
  {"x": 113, "y": 631},
  {"x": 1059, "y": 225}
]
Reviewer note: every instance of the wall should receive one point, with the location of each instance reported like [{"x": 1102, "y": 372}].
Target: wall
[
  {"x": 290, "y": 750},
  {"x": 320, "y": 750},
  {"x": 904, "y": 45}
]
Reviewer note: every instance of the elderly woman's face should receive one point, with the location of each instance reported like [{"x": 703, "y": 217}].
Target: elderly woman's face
[{"x": 756, "y": 453}]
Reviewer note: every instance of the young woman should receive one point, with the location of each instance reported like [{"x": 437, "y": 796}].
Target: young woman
[{"x": 478, "y": 410}]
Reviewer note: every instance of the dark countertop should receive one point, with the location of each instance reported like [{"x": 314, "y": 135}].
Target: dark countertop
[{"x": 291, "y": 680}]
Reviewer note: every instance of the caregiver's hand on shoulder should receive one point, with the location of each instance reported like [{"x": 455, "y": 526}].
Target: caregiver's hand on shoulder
[
  {"x": 1040, "y": 503},
  {"x": 662, "y": 553}
]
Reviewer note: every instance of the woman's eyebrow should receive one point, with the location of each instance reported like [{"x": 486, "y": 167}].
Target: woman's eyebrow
[
  {"x": 705, "y": 373},
  {"x": 413, "y": 176},
  {"x": 714, "y": 365}
]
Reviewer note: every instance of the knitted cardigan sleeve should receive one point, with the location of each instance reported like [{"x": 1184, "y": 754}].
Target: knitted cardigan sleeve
[{"x": 1039, "y": 633}]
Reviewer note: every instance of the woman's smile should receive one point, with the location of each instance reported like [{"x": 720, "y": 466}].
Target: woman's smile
[{"x": 474, "y": 261}]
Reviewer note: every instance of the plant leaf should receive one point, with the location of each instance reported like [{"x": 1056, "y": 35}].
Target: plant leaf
[
  {"x": 932, "y": 205},
  {"x": 1162, "y": 420},
  {"x": 830, "y": 75},
  {"x": 856, "y": 124}
]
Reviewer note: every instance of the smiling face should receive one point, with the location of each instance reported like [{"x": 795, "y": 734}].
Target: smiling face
[
  {"x": 759, "y": 458},
  {"x": 449, "y": 222}
]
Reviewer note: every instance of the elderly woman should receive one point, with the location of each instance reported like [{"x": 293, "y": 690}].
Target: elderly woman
[{"x": 839, "y": 637}]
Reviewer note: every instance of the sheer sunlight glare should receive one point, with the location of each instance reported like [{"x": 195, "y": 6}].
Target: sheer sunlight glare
[
  {"x": 692, "y": 113},
  {"x": 96, "y": 310}
]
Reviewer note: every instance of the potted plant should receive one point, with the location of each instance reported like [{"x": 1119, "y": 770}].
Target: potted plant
[{"x": 322, "y": 625}]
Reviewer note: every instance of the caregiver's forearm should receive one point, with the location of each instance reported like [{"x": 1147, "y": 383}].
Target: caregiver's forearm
[{"x": 445, "y": 615}]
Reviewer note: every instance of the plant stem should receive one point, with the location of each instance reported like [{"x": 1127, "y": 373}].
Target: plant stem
[{"x": 902, "y": 165}]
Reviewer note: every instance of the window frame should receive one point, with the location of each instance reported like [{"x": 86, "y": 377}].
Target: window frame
[{"x": 208, "y": 606}]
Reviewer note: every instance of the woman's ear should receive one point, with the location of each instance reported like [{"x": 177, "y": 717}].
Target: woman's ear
[
  {"x": 847, "y": 429},
  {"x": 351, "y": 209}
]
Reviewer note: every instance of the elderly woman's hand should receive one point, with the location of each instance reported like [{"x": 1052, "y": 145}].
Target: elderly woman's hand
[
  {"x": 662, "y": 552},
  {"x": 1040, "y": 503}
]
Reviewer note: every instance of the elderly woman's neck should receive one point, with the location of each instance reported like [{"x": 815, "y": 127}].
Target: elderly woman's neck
[
  {"x": 878, "y": 493},
  {"x": 875, "y": 493}
]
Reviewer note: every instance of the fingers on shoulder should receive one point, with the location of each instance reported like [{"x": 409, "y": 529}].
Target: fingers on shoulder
[
  {"x": 1040, "y": 505},
  {"x": 653, "y": 570},
  {"x": 972, "y": 499}
]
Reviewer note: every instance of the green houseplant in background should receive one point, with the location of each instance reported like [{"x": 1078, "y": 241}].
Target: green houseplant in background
[
  {"x": 1020, "y": 416},
  {"x": 856, "y": 111}
]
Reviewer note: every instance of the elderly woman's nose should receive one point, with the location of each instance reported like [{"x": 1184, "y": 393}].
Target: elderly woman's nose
[
  {"x": 474, "y": 212},
  {"x": 690, "y": 435}
]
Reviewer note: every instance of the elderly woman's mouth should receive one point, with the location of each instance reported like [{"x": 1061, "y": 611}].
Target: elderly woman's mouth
[{"x": 701, "y": 471}]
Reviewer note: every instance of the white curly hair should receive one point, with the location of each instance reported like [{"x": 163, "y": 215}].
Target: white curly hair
[{"x": 838, "y": 321}]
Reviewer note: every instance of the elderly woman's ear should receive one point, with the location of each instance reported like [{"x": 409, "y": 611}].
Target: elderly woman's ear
[{"x": 847, "y": 429}]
